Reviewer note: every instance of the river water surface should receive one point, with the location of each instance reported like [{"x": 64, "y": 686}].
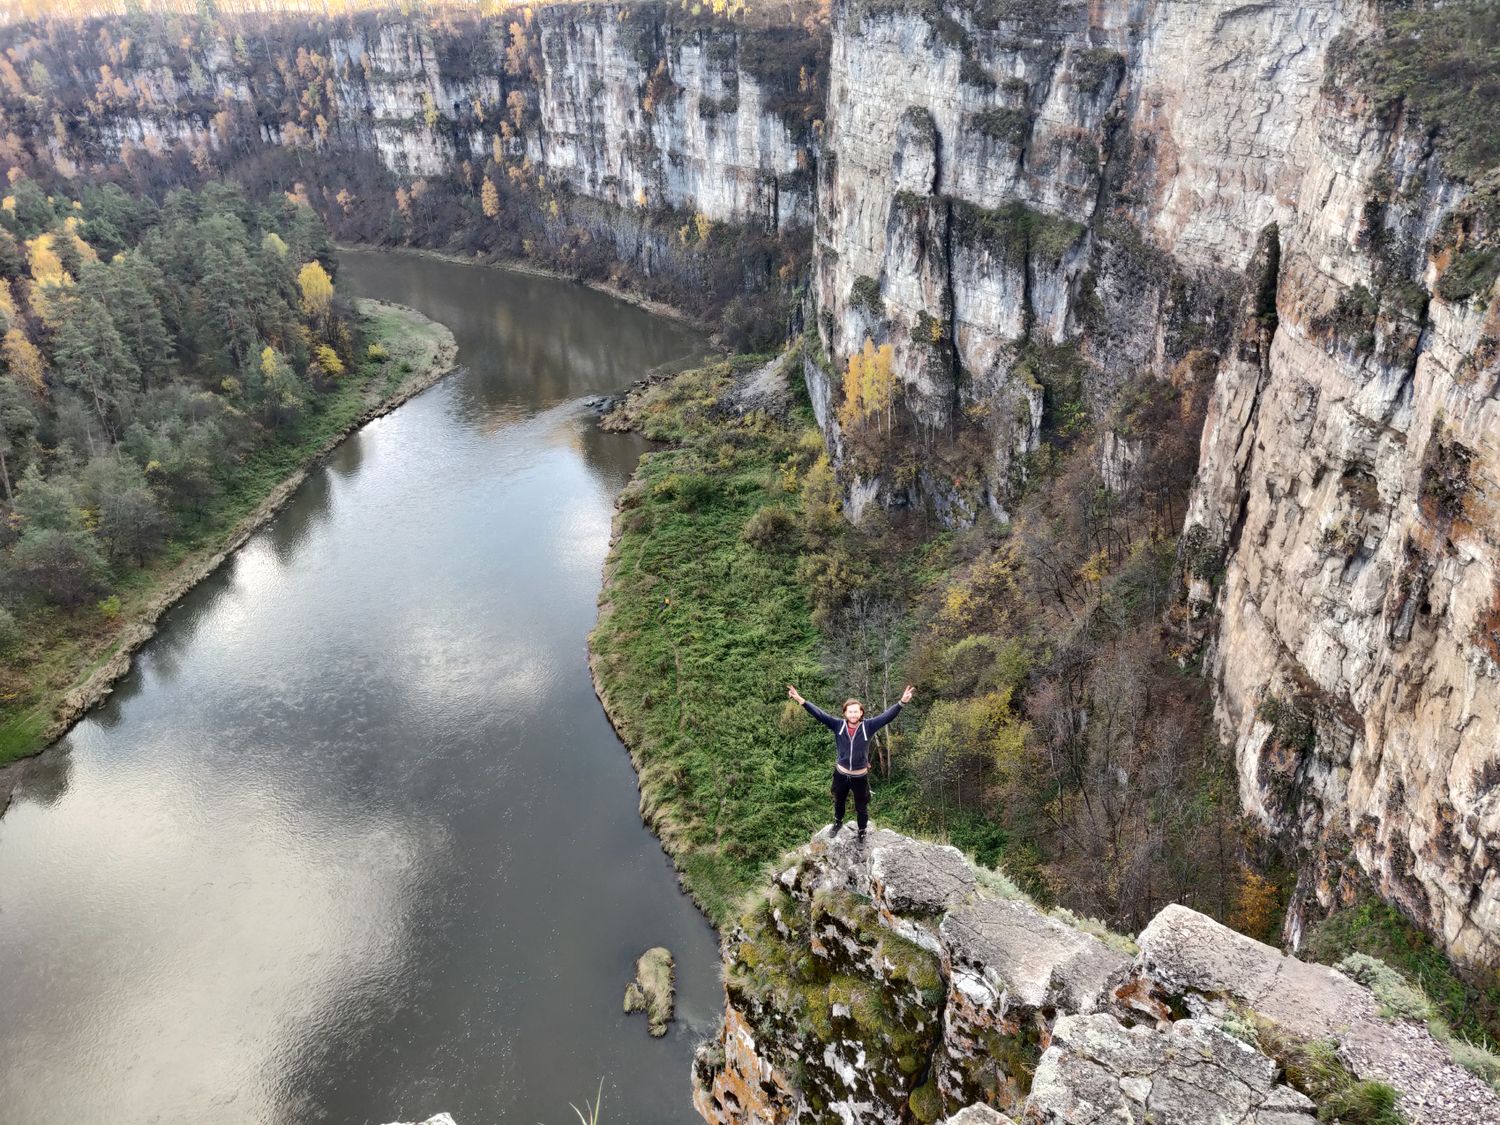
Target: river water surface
[{"x": 354, "y": 842}]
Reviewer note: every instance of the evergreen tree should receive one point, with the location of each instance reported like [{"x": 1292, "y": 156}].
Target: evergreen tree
[{"x": 91, "y": 357}]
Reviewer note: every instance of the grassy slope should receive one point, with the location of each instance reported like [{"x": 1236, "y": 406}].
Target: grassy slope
[
  {"x": 60, "y": 650},
  {"x": 699, "y": 633}
]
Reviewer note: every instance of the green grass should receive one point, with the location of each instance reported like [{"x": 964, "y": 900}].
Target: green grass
[
  {"x": 61, "y": 649},
  {"x": 700, "y": 632},
  {"x": 1313, "y": 1067}
]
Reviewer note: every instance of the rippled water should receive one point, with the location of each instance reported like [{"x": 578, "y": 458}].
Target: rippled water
[{"x": 354, "y": 841}]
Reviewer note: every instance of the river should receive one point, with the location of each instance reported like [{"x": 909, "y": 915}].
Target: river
[{"x": 353, "y": 841}]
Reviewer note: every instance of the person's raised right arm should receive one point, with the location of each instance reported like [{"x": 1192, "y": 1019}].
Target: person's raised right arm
[{"x": 813, "y": 709}]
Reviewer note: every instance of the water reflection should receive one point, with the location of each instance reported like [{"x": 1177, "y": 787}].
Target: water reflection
[{"x": 354, "y": 842}]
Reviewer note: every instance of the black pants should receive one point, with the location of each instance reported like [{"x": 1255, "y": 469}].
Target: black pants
[{"x": 843, "y": 785}]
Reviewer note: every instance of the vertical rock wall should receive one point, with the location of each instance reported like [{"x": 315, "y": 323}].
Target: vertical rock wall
[{"x": 1132, "y": 183}]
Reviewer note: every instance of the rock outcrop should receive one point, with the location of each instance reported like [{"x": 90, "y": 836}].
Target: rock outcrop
[
  {"x": 652, "y": 989},
  {"x": 894, "y": 982}
]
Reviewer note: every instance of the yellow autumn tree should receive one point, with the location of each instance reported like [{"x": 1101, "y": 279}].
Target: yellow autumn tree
[
  {"x": 329, "y": 361},
  {"x": 317, "y": 289},
  {"x": 515, "y": 101},
  {"x": 24, "y": 359},
  {"x": 46, "y": 266},
  {"x": 489, "y": 199},
  {"x": 869, "y": 385}
]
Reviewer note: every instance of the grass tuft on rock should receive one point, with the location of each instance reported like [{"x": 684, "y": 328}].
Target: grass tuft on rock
[{"x": 652, "y": 990}]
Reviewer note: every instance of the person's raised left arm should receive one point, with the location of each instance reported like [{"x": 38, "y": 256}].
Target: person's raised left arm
[{"x": 880, "y": 720}]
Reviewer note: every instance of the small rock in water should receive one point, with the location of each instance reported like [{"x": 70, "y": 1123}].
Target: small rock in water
[
  {"x": 435, "y": 1119},
  {"x": 651, "y": 991}
]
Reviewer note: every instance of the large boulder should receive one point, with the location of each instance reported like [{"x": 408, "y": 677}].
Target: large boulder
[
  {"x": 1010, "y": 970},
  {"x": 1207, "y": 966},
  {"x": 1097, "y": 1069}
]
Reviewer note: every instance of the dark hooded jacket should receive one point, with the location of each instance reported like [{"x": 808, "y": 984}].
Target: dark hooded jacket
[{"x": 854, "y": 753}]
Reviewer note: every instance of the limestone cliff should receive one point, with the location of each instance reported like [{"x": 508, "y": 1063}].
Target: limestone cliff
[
  {"x": 893, "y": 982},
  {"x": 1016, "y": 195},
  {"x": 632, "y": 105}
]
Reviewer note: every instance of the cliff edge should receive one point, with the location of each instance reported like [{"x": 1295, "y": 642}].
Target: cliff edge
[{"x": 895, "y": 982}]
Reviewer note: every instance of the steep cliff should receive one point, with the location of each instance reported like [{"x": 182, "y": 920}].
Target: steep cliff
[
  {"x": 1039, "y": 207},
  {"x": 892, "y": 982},
  {"x": 619, "y": 102}
]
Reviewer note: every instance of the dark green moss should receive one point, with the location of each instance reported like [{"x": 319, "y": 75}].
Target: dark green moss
[
  {"x": 1009, "y": 126},
  {"x": 1471, "y": 274}
]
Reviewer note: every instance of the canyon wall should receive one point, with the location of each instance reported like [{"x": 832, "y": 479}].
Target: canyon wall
[
  {"x": 1140, "y": 190},
  {"x": 636, "y": 105}
]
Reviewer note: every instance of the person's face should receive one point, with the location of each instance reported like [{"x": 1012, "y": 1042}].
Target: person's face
[{"x": 854, "y": 712}]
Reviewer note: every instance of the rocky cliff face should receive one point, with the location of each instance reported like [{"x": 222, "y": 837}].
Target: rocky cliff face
[
  {"x": 1010, "y": 194},
  {"x": 892, "y": 982},
  {"x": 632, "y": 105}
]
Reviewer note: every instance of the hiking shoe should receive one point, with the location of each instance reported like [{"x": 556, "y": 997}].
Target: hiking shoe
[
  {"x": 861, "y": 838},
  {"x": 835, "y": 830}
]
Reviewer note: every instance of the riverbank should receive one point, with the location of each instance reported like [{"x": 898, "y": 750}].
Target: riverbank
[
  {"x": 73, "y": 672},
  {"x": 521, "y": 265}
]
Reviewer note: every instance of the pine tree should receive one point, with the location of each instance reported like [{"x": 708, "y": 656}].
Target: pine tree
[{"x": 92, "y": 358}]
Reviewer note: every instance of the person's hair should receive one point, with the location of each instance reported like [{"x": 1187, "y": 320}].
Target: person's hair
[{"x": 856, "y": 703}]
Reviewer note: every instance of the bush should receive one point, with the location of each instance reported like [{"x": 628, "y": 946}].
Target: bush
[
  {"x": 377, "y": 354},
  {"x": 1398, "y": 999},
  {"x": 10, "y": 632},
  {"x": 1471, "y": 274},
  {"x": 771, "y": 529},
  {"x": 694, "y": 492}
]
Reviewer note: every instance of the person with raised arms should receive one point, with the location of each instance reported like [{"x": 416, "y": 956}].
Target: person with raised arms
[{"x": 851, "y": 738}]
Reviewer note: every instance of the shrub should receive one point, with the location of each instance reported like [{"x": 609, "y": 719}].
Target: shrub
[
  {"x": 10, "y": 632},
  {"x": 1398, "y": 999},
  {"x": 865, "y": 294},
  {"x": 1471, "y": 274},
  {"x": 694, "y": 492},
  {"x": 771, "y": 529},
  {"x": 377, "y": 354}
]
